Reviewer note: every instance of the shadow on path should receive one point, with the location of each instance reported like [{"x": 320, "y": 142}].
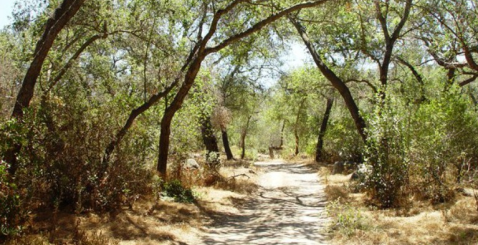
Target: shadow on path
[{"x": 288, "y": 209}]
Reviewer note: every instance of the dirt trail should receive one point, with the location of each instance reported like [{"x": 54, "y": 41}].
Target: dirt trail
[{"x": 288, "y": 209}]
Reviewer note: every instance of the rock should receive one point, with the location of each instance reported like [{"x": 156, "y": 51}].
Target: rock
[{"x": 191, "y": 164}]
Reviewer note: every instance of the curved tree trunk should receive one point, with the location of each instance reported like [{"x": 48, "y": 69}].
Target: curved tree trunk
[
  {"x": 334, "y": 80},
  {"x": 323, "y": 130},
  {"x": 62, "y": 15},
  {"x": 171, "y": 111},
  {"x": 225, "y": 142},
  {"x": 197, "y": 55},
  {"x": 129, "y": 123}
]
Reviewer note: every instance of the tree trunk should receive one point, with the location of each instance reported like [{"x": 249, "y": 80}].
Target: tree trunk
[
  {"x": 197, "y": 55},
  {"x": 171, "y": 110},
  {"x": 208, "y": 137},
  {"x": 225, "y": 142},
  {"x": 243, "y": 137},
  {"x": 129, "y": 123},
  {"x": 296, "y": 127},
  {"x": 335, "y": 80},
  {"x": 282, "y": 135},
  {"x": 323, "y": 129},
  {"x": 62, "y": 15},
  {"x": 243, "y": 145}
]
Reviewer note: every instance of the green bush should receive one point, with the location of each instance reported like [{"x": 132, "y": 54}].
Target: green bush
[
  {"x": 442, "y": 143},
  {"x": 174, "y": 189},
  {"x": 387, "y": 148},
  {"x": 12, "y": 211},
  {"x": 346, "y": 219}
]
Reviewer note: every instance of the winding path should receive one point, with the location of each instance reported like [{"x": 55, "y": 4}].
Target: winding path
[{"x": 288, "y": 209}]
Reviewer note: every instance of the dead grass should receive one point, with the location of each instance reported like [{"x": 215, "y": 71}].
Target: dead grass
[
  {"x": 419, "y": 222},
  {"x": 336, "y": 193},
  {"x": 149, "y": 221}
]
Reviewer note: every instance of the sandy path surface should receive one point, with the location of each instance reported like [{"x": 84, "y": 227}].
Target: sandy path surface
[{"x": 288, "y": 209}]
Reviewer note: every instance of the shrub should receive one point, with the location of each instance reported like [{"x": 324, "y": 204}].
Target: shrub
[
  {"x": 387, "y": 148},
  {"x": 174, "y": 189},
  {"x": 213, "y": 160},
  {"x": 346, "y": 219},
  {"x": 443, "y": 144},
  {"x": 12, "y": 211}
]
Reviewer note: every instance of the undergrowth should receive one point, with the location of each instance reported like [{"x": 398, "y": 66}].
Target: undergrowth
[{"x": 346, "y": 219}]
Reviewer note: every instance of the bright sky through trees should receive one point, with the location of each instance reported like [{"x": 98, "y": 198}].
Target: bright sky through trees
[{"x": 6, "y": 7}]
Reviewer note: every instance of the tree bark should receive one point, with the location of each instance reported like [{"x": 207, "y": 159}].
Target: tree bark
[
  {"x": 129, "y": 123},
  {"x": 225, "y": 142},
  {"x": 243, "y": 138},
  {"x": 323, "y": 130},
  {"x": 62, "y": 15},
  {"x": 282, "y": 135},
  {"x": 390, "y": 39},
  {"x": 335, "y": 80}
]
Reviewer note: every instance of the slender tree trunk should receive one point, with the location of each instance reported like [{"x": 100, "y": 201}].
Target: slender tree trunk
[
  {"x": 296, "y": 127},
  {"x": 243, "y": 145},
  {"x": 323, "y": 130},
  {"x": 334, "y": 80},
  {"x": 129, "y": 123},
  {"x": 282, "y": 135},
  {"x": 62, "y": 15},
  {"x": 243, "y": 137},
  {"x": 225, "y": 142},
  {"x": 451, "y": 75},
  {"x": 208, "y": 137}
]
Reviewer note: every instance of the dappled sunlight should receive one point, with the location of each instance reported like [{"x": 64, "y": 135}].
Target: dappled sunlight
[{"x": 289, "y": 208}]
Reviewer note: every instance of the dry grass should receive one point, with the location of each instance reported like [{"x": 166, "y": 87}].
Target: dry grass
[
  {"x": 417, "y": 223},
  {"x": 336, "y": 193},
  {"x": 149, "y": 221}
]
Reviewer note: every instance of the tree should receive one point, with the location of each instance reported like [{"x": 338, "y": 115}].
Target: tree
[
  {"x": 60, "y": 18},
  {"x": 201, "y": 50},
  {"x": 336, "y": 81},
  {"x": 221, "y": 119},
  {"x": 319, "y": 155},
  {"x": 448, "y": 35}
]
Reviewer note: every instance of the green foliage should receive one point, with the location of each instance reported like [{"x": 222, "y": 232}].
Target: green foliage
[
  {"x": 442, "y": 144},
  {"x": 213, "y": 160},
  {"x": 346, "y": 219},
  {"x": 13, "y": 212},
  {"x": 342, "y": 140},
  {"x": 387, "y": 148},
  {"x": 174, "y": 189}
]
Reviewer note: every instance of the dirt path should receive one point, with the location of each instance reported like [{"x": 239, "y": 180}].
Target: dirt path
[{"x": 288, "y": 209}]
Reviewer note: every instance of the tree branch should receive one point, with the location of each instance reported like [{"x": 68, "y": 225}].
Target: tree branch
[{"x": 258, "y": 26}]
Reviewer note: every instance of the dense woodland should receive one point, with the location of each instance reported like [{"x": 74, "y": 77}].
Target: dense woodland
[{"x": 99, "y": 98}]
